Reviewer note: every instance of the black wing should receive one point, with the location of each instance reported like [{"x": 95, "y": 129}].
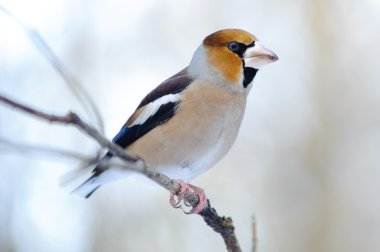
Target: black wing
[{"x": 128, "y": 135}]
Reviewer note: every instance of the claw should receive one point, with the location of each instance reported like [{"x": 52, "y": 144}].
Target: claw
[
  {"x": 177, "y": 198},
  {"x": 202, "y": 204},
  {"x": 187, "y": 204}
]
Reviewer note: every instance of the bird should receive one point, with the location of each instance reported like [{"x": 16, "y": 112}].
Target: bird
[{"x": 189, "y": 122}]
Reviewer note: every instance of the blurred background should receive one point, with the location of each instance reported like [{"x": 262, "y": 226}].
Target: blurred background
[{"x": 306, "y": 163}]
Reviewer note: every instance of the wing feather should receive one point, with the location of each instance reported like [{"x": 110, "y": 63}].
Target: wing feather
[{"x": 158, "y": 107}]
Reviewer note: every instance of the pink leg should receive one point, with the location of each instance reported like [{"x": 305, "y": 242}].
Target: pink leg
[{"x": 187, "y": 188}]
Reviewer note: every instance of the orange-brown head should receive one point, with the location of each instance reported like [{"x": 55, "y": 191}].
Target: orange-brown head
[{"x": 232, "y": 56}]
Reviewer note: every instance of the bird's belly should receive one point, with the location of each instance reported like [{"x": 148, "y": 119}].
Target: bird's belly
[
  {"x": 201, "y": 158},
  {"x": 188, "y": 153},
  {"x": 188, "y": 157}
]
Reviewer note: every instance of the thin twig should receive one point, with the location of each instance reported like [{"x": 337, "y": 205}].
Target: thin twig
[
  {"x": 8, "y": 145},
  {"x": 254, "y": 234},
  {"x": 74, "y": 85}
]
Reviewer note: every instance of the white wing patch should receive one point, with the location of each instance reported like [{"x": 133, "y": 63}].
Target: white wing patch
[{"x": 151, "y": 108}]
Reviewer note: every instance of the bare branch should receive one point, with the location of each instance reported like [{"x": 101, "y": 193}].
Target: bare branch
[
  {"x": 222, "y": 225},
  {"x": 74, "y": 119}
]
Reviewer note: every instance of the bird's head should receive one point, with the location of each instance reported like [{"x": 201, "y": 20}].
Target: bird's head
[{"x": 232, "y": 57}]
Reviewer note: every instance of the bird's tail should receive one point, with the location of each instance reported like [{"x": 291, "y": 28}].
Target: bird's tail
[
  {"x": 87, "y": 188},
  {"x": 99, "y": 177}
]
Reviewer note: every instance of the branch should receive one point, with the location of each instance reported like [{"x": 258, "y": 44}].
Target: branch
[
  {"x": 137, "y": 164},
  {"x": 221, "y": 225}
]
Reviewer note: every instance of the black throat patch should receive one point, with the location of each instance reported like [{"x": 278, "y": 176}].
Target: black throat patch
[{"x": 249, "y": 74}]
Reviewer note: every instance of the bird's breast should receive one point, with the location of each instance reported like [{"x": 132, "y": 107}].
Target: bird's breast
[{"x": 202, "y": 131}]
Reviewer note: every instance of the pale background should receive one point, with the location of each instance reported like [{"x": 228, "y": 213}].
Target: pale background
[{"x": 306, "y": 162}]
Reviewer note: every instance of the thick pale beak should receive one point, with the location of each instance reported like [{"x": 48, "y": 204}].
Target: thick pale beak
[{"x": 258, "y": 56}]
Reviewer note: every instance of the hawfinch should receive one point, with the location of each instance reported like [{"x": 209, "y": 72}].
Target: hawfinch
[{"x": 190, "y": 121}]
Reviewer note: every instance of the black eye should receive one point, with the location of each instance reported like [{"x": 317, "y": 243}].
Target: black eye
[{"x": 234, "y": 46}]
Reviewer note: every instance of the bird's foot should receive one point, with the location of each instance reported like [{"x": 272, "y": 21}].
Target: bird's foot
[{"x": 177, "y": 198}]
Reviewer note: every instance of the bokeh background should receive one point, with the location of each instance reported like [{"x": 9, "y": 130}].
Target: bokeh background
[{"x": 306, "y": 163}]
